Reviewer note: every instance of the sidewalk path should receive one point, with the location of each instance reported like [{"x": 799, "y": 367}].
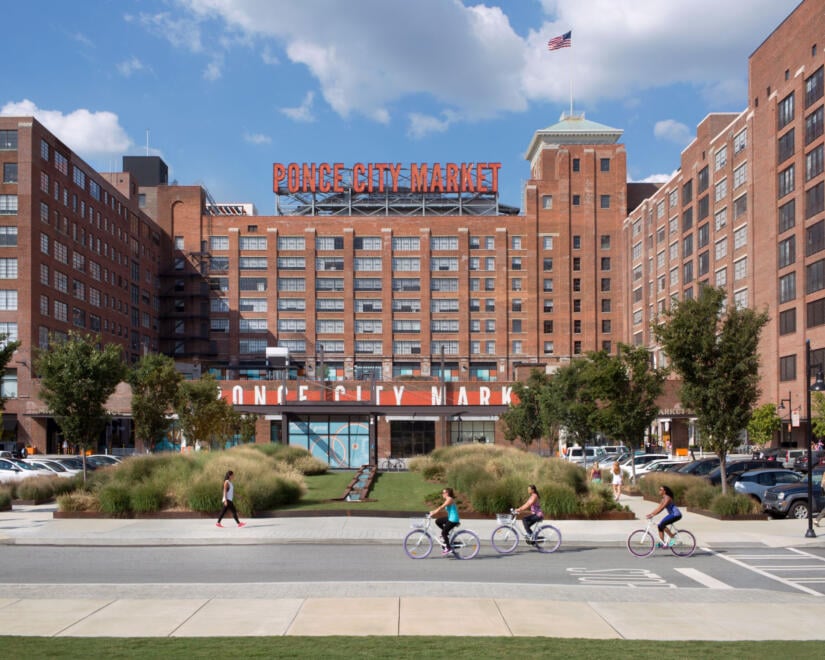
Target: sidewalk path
[{"x": 394, "y": 608}]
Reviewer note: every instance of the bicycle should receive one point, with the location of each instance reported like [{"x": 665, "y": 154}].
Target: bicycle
[
  {"x": 642, "y": 542},
  {"x": 418, "y": 544},
  {"x": 505, "y": 538}
]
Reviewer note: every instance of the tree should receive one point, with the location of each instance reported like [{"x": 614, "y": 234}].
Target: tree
[
  {"x": 247, "y": 426},
  {"x": 525, "y": 420},
  {"x": 764, "y": 423},
  {"x": 713, "y": 348},
  {"x": 818, "y": 414},
  {"x": 568, "y": 401},
  {"x": 76, "y": 379},
  {"x": 202, "y": 415},
  {"x": 154, "y": 382},
  {"x": 626, "y": 386},
  {"x": 7, "y": 349}
]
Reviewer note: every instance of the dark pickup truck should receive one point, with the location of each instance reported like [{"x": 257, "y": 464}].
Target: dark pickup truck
[{"x": 792, "y": 499}]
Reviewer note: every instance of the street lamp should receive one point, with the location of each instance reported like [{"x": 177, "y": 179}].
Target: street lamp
[{"x": 818, "y": 386}]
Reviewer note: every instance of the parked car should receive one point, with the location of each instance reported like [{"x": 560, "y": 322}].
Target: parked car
[
  {"x": 790, "y": 457},
  {"x": 104, "y": 459},
  {"x": 801, "y": 462},
  {"x": 30, "y": 470},
  {"x": 53, "y": 466},
  {"x": 700, "y": 467},
  {"x": 735, "y": 468},
  {"x": 657, "y": 467},
  {"x": 615, "y": 449},
  {"x": 792, "y": 499},
  {"x": 75, "y": 463},
  {"x": 587, "y": 455},
  {"x": 639, "y": 460},
  {"x": 9, "y": 471},
  {"x": 756, "y": 482}
]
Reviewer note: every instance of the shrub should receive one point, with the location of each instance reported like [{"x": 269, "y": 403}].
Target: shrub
[
  {"x": 37, "y": 489},
  {"x": 558, "y": 500},
  {"x": 464, "y": 475},
  {"x": 77, "y": 501},
  {"x": 147, "y": 497},
  {"x": 700, "y": 494},
  {"x": 497, "y": 496},
  {"x": 5, "y": 498},
  {"x": 268, "y": 493},
  {"x": 115, "y": 500},
  {"x": 734, "y": 504},
  {"x": 310, "y": 465},
  {"x": 593, "y": 505},
  {"x": 431, "y": 470},
  {"x": 204, "y": 494}
]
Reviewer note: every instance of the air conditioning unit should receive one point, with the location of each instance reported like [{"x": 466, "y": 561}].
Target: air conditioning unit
[{"x": 415, "y": 350}]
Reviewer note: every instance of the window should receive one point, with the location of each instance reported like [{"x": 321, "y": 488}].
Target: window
[
  {"x": 787, "y": 321},
  {"x": 785, "y": 147},
  {"x": 604, "y": 164},
  {"x": 291, "y": 304},
  {"x": 605, "y": 263},
  {"x": 251, "y": 284},
  {"x": 787, "y": 367},
  {"x": 8, "y": 300},
  {"x": 813, "y": 163},
  {"x": 815, "y": 200},
  {"x": 398, "y": 284},
  {"x": 291, "y": 243},
  {"x": 787, "y": 252},
  {"x": 784, "y": 111},
  {"x": 813, "y": 88},
  {"x": 720, "y": 191},
  {"x": 329, "y": 242},
  {"x": 787, "y": 287},
  {"x": 702, "y": 180},
  {"x": 720, "y": 219},
  {"x": 515, "y": 243},
  {"x": 8, "y": 269},
  {"x": 815, "y": 276},
  {"x": 406, "y": 264},
  {"x": 740, "y": 269},
  {"x": 687, "y": 272},
  {"x": 787, "y": 216},
  {"x": 604, "y": 241},
  {"x": 740, "y": 175},
  {"x": 740, "y": 237},
  {"x": 329, "y": 263},
  {"x": 444, "y": 243},
  {"x": 720, "y": 158},
  {"x": 406, "y": 243},
  {"x": 740, "y": 141},
  {"x": 687, "y": 246},
  {"x": 785, "y": 183},
  {"x": 8, "y": 140},
  {"x": 444, "y": 284},
  {"x": 291, "y": 284},
  {"x": 722, "y": 277},
  {"x": 577, "y": 200},
  {"x": 252, "y": 263},
  {"x": 367, "y": 243},
  {"x": 547, "y": 202},
  {"x": 8, "y": 237},
  {"x": 576, "y": 165},
  {"x": 291, "y": 263},
  {"x": 219, "y": 242},
  {"x": 9, "y": 172},
  {"x": 329, "y": 304},
  {"x": 687, "y": 192},
  {"x": 740, "y": 206},
  {"x": 813, "y": 125},
  {"x": 444, "y": 263},
  {"x": 547, "y": 242},
  {"x": 687, "y": 219},
  {"x": 253, "y": 243},
  {"x": 604, "y": 201},
  {"x": 8, "y": 204},
  {"x": 577, "y": 242}
]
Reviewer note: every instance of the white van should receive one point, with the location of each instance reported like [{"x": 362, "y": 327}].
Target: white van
[{"x": 585, "y": 454}]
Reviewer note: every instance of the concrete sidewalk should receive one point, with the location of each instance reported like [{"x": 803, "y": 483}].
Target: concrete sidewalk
[{"x": 395, "y": 608}]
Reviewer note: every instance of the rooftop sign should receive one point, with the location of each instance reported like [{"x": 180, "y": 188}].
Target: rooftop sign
[{"x": 295, "y": 178}]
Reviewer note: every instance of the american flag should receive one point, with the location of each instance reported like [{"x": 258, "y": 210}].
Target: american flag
[{"x": 562, "y": 41}]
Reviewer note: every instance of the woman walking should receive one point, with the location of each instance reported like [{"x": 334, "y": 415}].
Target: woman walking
[
  {"x": 228, "y": 500},
  {"x": 617, "y": 480}
]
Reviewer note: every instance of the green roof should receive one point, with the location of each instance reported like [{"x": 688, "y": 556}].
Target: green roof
[{"x": 573, "y": 129}]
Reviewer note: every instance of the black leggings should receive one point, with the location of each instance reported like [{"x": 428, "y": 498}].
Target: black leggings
[
  {"x": 529, "y": 521},
  {"x": 229, "y": 506},
  {"x": 446, "y": 526}
]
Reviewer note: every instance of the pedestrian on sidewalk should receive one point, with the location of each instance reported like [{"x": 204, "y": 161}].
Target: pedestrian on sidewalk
[
  {"x": 228, "y": 500},
  {"x": 536, "y": 514},
  {"x": 596, "y": 473},
  {"x": 617, "y": 480},
  {"x": 446, "y": 523}
]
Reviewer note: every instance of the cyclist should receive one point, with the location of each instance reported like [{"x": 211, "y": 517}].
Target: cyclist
[
  {"x": 673, "y": 513},
  {"x": 536, "y": 514},
  {"x": 448, "y": 522}
]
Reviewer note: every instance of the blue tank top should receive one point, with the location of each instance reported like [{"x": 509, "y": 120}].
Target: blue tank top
[
  {"x": 452, "y": 513},
  {"x": 672, "y": 509}
]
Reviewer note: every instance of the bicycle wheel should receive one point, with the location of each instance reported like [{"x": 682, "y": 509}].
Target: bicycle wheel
[
  {"x": 641, "y": 543},
  {"x": 683, "y": 543},
  {"x": 418, "y": 544},
  {"x": 504, "y": 539},
  {"x": 465, "y": 544},
  {"x": 547, "y": 539}
]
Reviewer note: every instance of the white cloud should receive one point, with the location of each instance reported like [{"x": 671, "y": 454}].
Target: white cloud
[
  {"x": 268, "y": 57},
  {"x": 81, "y": 38},
  {"x": 303, "y": 112},
  {"x": 657, "y": 178},
  {"x": 257, "y": 138},
  {"x": 214, "y": 69},
  {"x": 422, "y": 125},
  {"x": 672, "y": 131},
  {"x": 91, "y": 134},
  {"x": 130, "y": 66},
  {"x": 371, "y": 55}
]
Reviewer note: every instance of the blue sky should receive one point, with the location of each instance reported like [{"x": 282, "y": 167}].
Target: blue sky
[{"x": 227, "y": 87}]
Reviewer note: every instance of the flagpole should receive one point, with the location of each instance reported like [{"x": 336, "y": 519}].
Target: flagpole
[{"x": 571, "y": 78}]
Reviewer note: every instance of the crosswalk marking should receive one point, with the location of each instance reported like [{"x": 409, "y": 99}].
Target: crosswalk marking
[
  {"x": 735, "y": 559},
  {"x": 703, "y": 578}
]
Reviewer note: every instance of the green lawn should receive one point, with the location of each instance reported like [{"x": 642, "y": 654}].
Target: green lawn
[
  {"x": 396, "y": 647},
  {"x": 392, "y": 491}
]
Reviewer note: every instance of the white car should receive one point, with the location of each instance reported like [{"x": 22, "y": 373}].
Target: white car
[
  {"x": 641, "y": 460},
  {"x": 30, "y": 470},
  {"x": 9, "y": 471},
  {"x": 53, "y": 467}
]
